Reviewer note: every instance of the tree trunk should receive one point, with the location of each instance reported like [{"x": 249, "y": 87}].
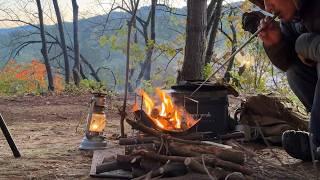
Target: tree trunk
[
  {"x": 195, "y": 40},
  {"x": 76, "y": 67},
  {"x": 130, "y": 81},
  {"x": 210, "y": 14},
  {"x": 227, "y": 75},
  {"x": 83, "y": 75},
  {"x": 63, "y": 41},
  {"x": 130, "y": 24},
  {"x": 214, "y": 29},
  {"x": 44, "y": 48},
  {"x": 145, "y": 72}
]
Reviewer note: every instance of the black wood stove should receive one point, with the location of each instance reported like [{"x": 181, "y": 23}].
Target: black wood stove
[{"x": 210, "y": 104}]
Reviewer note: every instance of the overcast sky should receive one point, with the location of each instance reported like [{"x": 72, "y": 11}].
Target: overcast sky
[{"x": 87, "y": 8}]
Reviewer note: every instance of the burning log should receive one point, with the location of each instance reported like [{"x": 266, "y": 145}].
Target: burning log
[
  {"x": 141, "y": 127},
  {"x": 164, "y": 115}
]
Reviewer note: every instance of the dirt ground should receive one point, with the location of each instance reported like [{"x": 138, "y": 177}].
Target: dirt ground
[{"x": 44, "y": 129}]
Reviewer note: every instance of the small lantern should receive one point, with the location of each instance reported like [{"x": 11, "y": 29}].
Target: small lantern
[{"x": 96, "y": 122}]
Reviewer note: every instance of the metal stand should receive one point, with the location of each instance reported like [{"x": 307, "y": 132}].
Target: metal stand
[{"x": 8, "y": 136}]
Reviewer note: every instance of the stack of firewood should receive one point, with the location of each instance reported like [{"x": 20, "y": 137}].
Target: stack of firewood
[{"x": 163, "y": 156}]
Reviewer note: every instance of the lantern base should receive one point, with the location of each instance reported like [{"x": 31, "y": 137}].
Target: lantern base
[{"x": 94, "y": 143}]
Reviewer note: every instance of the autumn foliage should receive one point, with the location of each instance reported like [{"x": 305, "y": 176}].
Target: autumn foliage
[{"x": 26, "y": 78}]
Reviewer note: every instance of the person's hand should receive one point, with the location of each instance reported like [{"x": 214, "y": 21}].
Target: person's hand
[{"x": 271, "y": 33}]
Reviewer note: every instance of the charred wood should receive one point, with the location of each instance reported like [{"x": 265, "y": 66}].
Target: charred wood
[
  {"x": 149, "y": 164},
  {"x": 138, "y": 172},
  {"x": 107, "y": 167}
]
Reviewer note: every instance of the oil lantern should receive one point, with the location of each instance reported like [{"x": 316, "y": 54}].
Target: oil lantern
[{"x": 96, "y": 122}]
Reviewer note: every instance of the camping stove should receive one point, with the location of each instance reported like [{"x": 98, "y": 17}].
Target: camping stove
[{"x": 211, "y": 107}]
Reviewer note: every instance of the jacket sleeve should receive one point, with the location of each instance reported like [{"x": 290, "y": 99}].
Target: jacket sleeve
[
  {"x": 308, "y": 46},
  {"x": 283, "y": 54}
]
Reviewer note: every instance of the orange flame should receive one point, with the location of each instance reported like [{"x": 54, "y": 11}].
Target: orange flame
[{"x": 165, "y": 115}]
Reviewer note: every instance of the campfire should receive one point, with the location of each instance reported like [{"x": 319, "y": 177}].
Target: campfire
[{"x": 164, "y": 114}]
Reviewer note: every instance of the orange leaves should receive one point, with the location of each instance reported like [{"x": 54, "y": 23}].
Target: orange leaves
[{"x": 31, "y": 76}]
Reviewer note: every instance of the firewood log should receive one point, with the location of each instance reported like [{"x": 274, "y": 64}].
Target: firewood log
[
  {"x": 106, "y": 167},
  {"x": 222, "y": 153},
  {"x": 210, "y": 160},
  {"x": 219, "y": 173},
  {"x": 189, "y": 176},
  {"x": 121, "y": 162},
  {"x": 137, "y": 172},
  {"x": 158, "y": 157},
  {"x": 177, "y": 151},
  {"x": 194, "y": 165},
  {"x": 125, "y": 162},
  {"x": 235, "y": 176},
  {"x": 168, "y": 169},
  {"x": 129, "y": 149},
  {"x": 234, "y": 135},
  {"x": 227, "y": 165},
  {"x": 137, "y": 140},
  {"x": 149, "y": 164}
]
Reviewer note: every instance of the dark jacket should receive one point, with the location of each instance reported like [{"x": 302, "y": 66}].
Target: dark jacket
[{"x": 284, "y": 54}]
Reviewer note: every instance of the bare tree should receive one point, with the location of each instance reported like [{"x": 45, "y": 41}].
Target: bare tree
[
  {"x": 195, "y": 40},
  {"x": 233, "y": 39},
  {"x": 22, "y": 40},
  {"x": 213, "y": 16},
  {"x": 144, "y": 27},
  {"x": 76, "y": 66},
  {"x": 44, "y": 48},
  {"x": 130, "y": 24},
  {"x": 63, "y": 41},
  {"x": 146, "y": 66}
]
